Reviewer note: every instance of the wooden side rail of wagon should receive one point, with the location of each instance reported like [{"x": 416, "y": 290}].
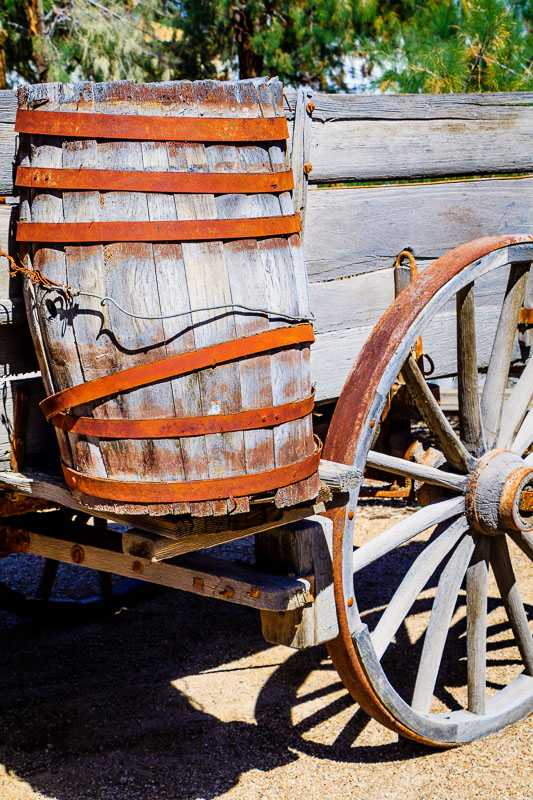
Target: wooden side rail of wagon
[{"x": 361, "y": 168}]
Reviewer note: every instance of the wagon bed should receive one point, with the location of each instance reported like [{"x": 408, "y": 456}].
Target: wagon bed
[{"x": 353, "y": 233}]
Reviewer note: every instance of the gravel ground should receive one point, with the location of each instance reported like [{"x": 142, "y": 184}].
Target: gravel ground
[{"x": 180, "y": 698}]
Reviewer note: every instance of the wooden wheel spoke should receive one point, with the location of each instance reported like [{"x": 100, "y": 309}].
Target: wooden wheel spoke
[
  {"x": 516, "y": 408},
  {"x": 414, "y": 581},
  {"x": 407, "y": 529},
  {"x": 476, "y": 625},
  {"x": 48, "y": 576},
  {"x": 510, "y": 594},
  {"x": 470, "y": 422},
  {"x": 524, "y": 437},
  {"x": 502, "y": 348},
  {"x": 421, "y": 472},
  {"x": 454, "y": 450},
  {"x": 524, "y": 541},
  {"x": 439, "y": 623}
]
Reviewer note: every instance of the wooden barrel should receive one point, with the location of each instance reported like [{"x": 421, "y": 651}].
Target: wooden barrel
[{"x": 188, "y": 389}]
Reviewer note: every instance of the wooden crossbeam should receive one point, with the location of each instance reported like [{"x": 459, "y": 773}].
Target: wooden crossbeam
[{"x": 48, "y": 536}]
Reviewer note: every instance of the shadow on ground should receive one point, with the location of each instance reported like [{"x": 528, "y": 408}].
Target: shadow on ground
[{"x": 90, "y": 711}]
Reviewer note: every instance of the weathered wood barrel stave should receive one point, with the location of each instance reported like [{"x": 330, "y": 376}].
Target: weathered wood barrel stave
[{"x": 81, "y": 339}]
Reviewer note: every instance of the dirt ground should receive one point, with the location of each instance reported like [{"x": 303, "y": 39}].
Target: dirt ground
[{"x": 180, "y": 698}]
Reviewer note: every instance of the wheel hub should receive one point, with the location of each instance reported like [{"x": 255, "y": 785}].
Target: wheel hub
[{"x": 495, "y": 495}]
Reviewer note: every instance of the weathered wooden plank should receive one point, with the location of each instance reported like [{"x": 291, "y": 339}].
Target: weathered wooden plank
[
  {"x": 8, "y": 106},
  {"x": 160, "y": 548},
  {"x": 448, "y": 399},
  {"x": 46, "y": 151},
  {"x": 9, "y": 287},
  {"x": 8, "y": 149},
  {"x": 475, "y": 106},
  {"x": 211, "y": 577},
  {"x": 301, "y": 548},
  {"x": 334, "y": 352},
  {"x": 384, "y": 150},
  {"x": 184, "y": 528},
  {"x": 339, "y": 477},
  {"x": 369, "y": 138},
  {"x": 38, "y": 437},
  {"x": 363, "y": 229},
  {"x": 301, "y": 150},
  {"x": 84, "y": 268}
]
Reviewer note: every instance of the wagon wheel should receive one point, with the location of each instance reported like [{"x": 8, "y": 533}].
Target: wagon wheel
[
  {"x": 45, "y": 589},
  {"x": 481, "y": 514}
]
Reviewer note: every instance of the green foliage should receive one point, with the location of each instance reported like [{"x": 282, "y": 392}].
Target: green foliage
[
  {"x": 457, "y": 46},
  {"x": 89, "y": 39},
  {"x": 301, "y": 41},
  {"x": 404, "y": 45}
]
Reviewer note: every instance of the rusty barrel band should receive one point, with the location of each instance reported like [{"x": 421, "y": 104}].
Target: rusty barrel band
[
  {"x": 139, "y": 181},
  {"x": 197, "y": 230},
  {"x": 183, "y": 426},
  {"x": 172, "y": 366},
  {"x": 146, "y": 128},
  {"x": 193, "y": 491}
]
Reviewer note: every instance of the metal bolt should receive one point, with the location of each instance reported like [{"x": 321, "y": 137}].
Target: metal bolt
[
  {"x": 350, "y": 515},
  {"x": 255, "y": 591},
  {"x": 310, "y": 107},
  {"x": 307, "y": 167},
  {"x": 137, "y": 567},
  {"x": 197, "y": 583},
  {"x": 372, "y": 423},
  {"x": 350, "y": 602},
  {"x": 77, "y": 554},
  {"x": 227, "y": 592}
]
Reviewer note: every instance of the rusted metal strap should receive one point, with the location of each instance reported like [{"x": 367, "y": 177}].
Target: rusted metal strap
[
  {"x": 175, "y": 365},
  {"x": 193, "y": 491},
  {"x": 138, "y": 181},
  {"x": 184, "y": 426},
  {"x": 157, "y": 129},
  {"x": 526, "y": 316},
  {"x": 196, "y": 230}
]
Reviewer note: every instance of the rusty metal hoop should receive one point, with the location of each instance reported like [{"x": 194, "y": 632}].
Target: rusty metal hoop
[{"x": 349, "y": 440}]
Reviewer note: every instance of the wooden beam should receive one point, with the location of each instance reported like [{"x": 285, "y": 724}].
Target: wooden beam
[
  {"x": 354, "y": 230},
  {"x": 190, "y": 533},
  {"x": 387, "y": 137},
  {"x": 339, "y": 477},
  {"x": 303, "y": 547},
  {"x": 202, "y": 575},
  {"x": 159, "y": 548}
]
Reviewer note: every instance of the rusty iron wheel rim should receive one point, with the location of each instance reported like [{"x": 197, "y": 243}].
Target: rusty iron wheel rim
[{"x": 349, "y": 440}]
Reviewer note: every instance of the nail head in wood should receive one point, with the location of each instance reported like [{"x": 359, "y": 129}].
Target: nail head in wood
[{"x": 77, "y": 554}]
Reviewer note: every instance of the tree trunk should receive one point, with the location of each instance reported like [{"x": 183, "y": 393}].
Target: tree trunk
[
  {"x": 250, "y": 64},
  {"x": 40, "y": 42},
  {"x": 3, "y": 77}
]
